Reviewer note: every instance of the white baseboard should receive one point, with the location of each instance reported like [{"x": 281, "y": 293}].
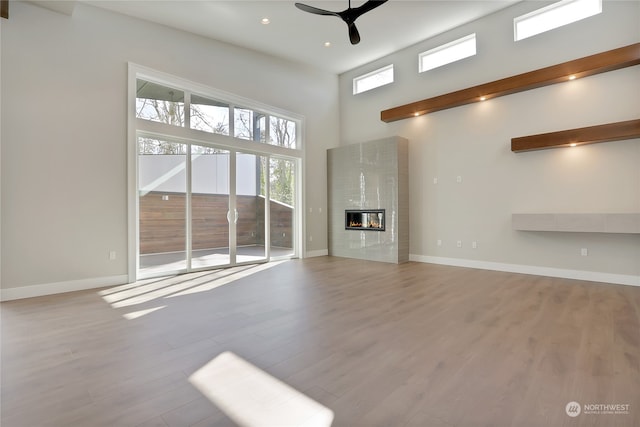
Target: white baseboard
[
  {"x": 321, "y": 252},
  {"x": 592, "y": 276},
  {"x": 10, "y": 294}
]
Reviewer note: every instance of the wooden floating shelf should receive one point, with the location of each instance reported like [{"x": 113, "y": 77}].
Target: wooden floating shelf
[
  {"x": 570, "y": 138},
  {"x": 623, "y": 223},
  {"x": 589, "y": 65}
]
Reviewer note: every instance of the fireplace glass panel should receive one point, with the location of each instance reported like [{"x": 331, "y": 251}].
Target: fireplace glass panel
[{"x": 365, "y": 220}]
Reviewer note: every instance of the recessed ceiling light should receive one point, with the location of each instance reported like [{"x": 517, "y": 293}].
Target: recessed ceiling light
[
  {"x": 327, "y": 44},
  {"x": 265, "y": 21}
]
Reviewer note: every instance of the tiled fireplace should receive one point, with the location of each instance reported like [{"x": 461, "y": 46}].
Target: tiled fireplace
[{"x": 369, "y": 200}]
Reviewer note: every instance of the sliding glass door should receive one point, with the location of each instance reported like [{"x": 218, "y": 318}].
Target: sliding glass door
[
  {"x": 210, "y": 207},
  {"x": 251, "y": 207},
  {"x": 214, "y": 178},
  {"x": 162, "y": 205},
  {"x": 282, "y": 197},
  {"x": 206, "y": 207}
]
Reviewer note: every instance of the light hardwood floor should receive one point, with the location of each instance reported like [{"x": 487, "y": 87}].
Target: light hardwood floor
[{"x": 379, "y": 344}]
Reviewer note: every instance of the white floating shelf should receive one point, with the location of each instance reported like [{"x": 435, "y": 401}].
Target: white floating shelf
[{"x": 627, "y": 223}]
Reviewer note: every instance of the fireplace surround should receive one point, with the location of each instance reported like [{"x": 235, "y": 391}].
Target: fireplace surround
[{"x": 368, "y": 189}]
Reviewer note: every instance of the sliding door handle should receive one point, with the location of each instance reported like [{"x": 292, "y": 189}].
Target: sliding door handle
[{"x": 235, "y": 216}]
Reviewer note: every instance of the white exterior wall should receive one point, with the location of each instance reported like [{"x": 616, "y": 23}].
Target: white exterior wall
[{"x": 210, "y": 174}]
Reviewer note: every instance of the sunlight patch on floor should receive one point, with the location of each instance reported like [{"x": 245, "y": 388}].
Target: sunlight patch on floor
[
  {"x": 148, "y": 290},
  {"x": 140, "y": 313},
  {"x": 229, "y": 279},
  {"x": 252, "y": 397},
  {"x": 145, "y": 292},
  {"x": 134, "y": 285}
]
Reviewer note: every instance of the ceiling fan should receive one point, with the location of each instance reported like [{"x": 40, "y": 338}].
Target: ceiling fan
[{"x": 348, "y": 15}]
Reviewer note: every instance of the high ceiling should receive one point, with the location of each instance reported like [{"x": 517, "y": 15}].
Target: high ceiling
[{"x": 299, "y": 36}]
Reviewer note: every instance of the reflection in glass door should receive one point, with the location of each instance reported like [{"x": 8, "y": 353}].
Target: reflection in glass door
[{"x": 210, "y": 207}]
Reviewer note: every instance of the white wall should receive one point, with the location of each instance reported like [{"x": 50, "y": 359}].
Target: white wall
[
  {"x": 473, "y": 141},
  {"x": 64, "y": 132}
]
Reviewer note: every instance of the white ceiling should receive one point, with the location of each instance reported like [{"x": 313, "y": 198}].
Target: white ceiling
[{"x": 300, "y": 36}]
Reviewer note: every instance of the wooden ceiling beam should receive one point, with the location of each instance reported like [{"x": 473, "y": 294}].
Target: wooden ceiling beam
[
  {"x": 626, "y": 56},
  {"x": 570, "y": 138}
]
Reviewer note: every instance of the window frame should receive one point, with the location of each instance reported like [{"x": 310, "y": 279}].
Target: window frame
[
  {"x": 445, "y": 47},
  {"x": 371, "y": 74},
  {"x": 548, "y": 10}
]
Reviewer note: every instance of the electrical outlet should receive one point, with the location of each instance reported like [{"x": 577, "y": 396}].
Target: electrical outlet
[
  {"x": 474, "y": 245},
  {"x": 435, "y": 180},
  {"x": 439, "y": 242},
  {"x": 310, "y": 238},
  {"x": 112, "y": 255},
  {"x": 459, "y": 243},
  {"x": 584, "y": 252},
  {"x": 458, "y": 179}
]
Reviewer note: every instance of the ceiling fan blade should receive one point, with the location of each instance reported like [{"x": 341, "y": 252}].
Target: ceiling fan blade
[
  {"x": 354, "y": 35},
  {"x": 370, "y": 5},
  {"x": 315, "y": 10},
  {"x": 348, "y": 15}
]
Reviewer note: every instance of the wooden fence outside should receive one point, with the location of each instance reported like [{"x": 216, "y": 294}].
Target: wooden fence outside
[{"x": 163, "y": 220}]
